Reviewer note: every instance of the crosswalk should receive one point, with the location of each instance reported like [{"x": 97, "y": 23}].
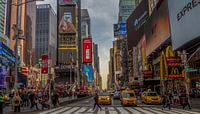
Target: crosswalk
[{"x": 116, "y": 110}]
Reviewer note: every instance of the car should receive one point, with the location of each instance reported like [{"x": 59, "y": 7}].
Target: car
[
  {"x": 6, "y": 99},
  {"x": 128, "y": 97},
  {"x": 104, "y": 98},
  {"x": 150, "y": 98},
  {"x": 116, "y": 95}
]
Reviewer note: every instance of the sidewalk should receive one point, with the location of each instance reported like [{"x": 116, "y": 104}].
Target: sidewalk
[
  {"x": 10, "y": 110},
  {"x": 195, "y": 105}
]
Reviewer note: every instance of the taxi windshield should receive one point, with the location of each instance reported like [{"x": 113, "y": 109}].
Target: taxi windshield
[
  {"x": 152, "y": 94},
  {"x": 127, "y": 95},
  {"x": 104, "y": 94}
]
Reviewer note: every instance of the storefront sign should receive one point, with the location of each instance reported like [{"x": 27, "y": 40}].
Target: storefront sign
[
  {"x": 148, "y": 73},
  {"x": 173, "y": 61},
  {"x": 175, "y": 72}
]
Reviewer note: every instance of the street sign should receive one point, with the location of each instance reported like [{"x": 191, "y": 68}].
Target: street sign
[{"x": 189, "y": 69}]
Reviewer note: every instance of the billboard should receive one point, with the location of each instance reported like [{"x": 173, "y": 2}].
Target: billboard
[
  {"x": 184, "y": 21},
  {"x": 44, "y": 69},
  {"x": 157, "y": 28},
  {"x": 87, "y": 50},
  {"x": 88, "y": 71},
  {"x": 135, "y": 24},
  {"x": 67, "y": 2},
  {"x": 3, "y": 73},
  {"x": 119, "y": 30},
  {"x": 116, "y": 28},
  {"x": 67, "y": 19}
]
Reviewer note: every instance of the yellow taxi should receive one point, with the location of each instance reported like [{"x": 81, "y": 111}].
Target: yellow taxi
[
  {"x": 128, "y": 98},
  {"x": 104, "y": 98},
  {"x": 150, "y": 98}
]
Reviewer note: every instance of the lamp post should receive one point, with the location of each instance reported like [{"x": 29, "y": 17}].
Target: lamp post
[{"x": 17, "y": 33}]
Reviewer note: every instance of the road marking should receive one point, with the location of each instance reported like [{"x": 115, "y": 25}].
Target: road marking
[
  {"x": 145, "y": 108},
  {"x": 122, "y": 110},
  {"x": 60, "y": 110},
  {"x": 71, "y": 110},
  {"x": 82, "y": 110},
  {"x": 185, "y": 111},
  {"x": 52, "y": 110},
  {"x": 165, "y": 111},
  {"x": 145, "y": 111},
  {"x": 132, "y": 110}
]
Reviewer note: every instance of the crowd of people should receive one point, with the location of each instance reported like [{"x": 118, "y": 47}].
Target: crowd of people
[{"x": 33, "y": 100}]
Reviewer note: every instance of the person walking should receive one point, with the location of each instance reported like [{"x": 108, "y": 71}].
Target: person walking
[
  {"x": 96, "y": 101},
  {"x": 17, "y": 101},
  {"x": 168, "y": 102},
  {"x": 163, "y": 101},
  {"x": 186, "y": 102},
  {"x": 1, "y": 102}
]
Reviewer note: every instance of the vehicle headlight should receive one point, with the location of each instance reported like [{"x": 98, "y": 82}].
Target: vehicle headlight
[{"x": 108, "y": 98}]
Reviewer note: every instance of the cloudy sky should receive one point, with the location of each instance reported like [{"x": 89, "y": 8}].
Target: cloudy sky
[{"x": 103, "y": 14}]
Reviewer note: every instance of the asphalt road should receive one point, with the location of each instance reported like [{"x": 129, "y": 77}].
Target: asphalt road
[{"x": 86, "y": 106}]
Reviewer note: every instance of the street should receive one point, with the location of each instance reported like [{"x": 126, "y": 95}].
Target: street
[{"x": 85, "y": 107}]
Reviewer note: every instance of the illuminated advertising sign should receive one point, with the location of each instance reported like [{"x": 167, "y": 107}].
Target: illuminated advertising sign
[
  {"x": 122, "y": 29},
  {"x": 3, "y": 73},
  {"x": 44, "y": 64},
  {"x": 67, "y": 19},
  {"x": 67, "y": 2},
  {"x": 157, "y": 28},
  {"x": 88, "y": 71},
  {"x": 175, "y": 72},
  {"x": 87, "y": 50},
  {"x": 184, "y": 22}
]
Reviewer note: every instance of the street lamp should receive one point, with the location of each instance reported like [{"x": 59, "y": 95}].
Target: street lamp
[{"x": 18, "y": 35}]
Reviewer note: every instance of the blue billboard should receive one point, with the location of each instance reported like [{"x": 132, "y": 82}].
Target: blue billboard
[
  {"x": 122, "y": 29},
  {"x": 88, "y": 71}
]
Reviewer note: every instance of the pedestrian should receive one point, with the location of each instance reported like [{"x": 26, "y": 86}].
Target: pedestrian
[
  {"x": 168, "y": 101},
  {"x": 1, "y": 102},
  {"x": 32, "y": 99},
  {"x": 186, "y": 102},
  {"x": 36, "y": 99},
  {"x": 163, "y": 101},
  {"x": 96, "y": 101},
  {"x": 26, "y": 101},
  {"x": 17, "y": 101},
  {"x": 43, "y": 101}
]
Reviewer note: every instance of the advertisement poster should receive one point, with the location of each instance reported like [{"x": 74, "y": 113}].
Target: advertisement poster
[
  {"x": 87, "y": 50},
  {"x": 88, "y": 71},
  {"x": 44, "y": 64},
  {"x": 122, "y": 29},
  {"x": 67, "y": 17}
]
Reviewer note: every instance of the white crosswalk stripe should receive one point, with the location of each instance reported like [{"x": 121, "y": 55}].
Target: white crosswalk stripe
[{"x": 117, "y": 110}]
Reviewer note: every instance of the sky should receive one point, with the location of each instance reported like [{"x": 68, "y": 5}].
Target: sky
[{"x": 103, "y": 14}]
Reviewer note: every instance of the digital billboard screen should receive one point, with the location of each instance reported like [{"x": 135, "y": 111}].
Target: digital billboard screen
[
  {"x": 67, "y": 2},
  {"x": 88, "y": 71},
  {"x": 87, "y": 50},
  {"x": 66, "y": 19},
  {"x": 157, "y": 28}
]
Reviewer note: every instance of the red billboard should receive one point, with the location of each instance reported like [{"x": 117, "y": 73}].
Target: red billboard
[
  {"x": 45, "y": 64},
  {"x": 87, "y": 50}
]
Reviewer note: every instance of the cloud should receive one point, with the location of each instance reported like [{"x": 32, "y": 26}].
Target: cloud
[{"x": 103, "y": 14}]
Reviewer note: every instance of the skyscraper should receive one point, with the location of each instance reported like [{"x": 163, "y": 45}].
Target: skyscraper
[
  {"x": 46, "y": 33},
  {"x": 85, "y": 23}
]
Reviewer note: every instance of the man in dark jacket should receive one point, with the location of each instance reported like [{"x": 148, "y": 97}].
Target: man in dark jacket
[{"x": 96, "y": 101}]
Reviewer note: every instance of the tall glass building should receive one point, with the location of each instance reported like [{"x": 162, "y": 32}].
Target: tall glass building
[{"x": 46, "y": 32}]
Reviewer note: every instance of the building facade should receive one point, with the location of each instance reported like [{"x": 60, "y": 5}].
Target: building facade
[{"x": 46, "y": 35}]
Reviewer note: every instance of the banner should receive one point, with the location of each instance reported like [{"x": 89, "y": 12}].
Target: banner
[
  {"x": 116, "y": 28},
  {"x": 87, "y": 50},
  {"x": 44, "y": 64}
]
